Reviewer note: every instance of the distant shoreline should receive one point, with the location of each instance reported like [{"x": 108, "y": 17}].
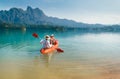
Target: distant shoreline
[{"x": 112, "y": 28}]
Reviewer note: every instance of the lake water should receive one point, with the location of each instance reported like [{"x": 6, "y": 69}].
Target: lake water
[{"x": 87, "y": 55}]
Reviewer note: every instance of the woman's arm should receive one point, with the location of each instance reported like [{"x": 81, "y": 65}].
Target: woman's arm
[{"x": 41, "y": 42}]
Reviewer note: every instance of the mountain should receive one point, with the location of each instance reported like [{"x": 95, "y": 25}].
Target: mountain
[
  {"x": 17, "y": 15},
  {"x": 36, "y": 17}
]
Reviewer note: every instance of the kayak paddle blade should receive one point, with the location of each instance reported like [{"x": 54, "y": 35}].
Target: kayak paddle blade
[
  {"x": 35, "y": 35},
  {"x": 59, "y": 50}
]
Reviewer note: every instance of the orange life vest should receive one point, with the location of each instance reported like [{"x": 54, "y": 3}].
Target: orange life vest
[{"x": 53, "y": 42}]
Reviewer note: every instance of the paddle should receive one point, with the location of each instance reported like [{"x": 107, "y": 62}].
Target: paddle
[
  {"x": 35, "y": 35},
  {"x": 58, "y": 49}
]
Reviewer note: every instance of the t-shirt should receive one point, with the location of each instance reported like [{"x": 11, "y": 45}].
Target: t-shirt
[{"x": 45, "y": 43}]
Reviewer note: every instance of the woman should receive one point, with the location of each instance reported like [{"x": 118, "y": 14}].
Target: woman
[{"x": 46, "y": 43}]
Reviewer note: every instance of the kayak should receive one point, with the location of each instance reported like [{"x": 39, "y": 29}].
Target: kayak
[{"x": 50, "y": 50}]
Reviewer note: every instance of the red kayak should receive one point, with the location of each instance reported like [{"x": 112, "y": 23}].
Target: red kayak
[{"x": 50, "y": 50}]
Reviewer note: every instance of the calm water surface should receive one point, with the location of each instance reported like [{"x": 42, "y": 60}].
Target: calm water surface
[{"x": 87, "y": 55}]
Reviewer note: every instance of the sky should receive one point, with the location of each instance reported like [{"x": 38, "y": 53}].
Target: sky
[{"x": 86, "y": 11}]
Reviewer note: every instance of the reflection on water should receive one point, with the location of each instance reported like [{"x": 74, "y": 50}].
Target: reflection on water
[
  {"x": 86, "y": 56},
  {"x": 47, "y": 59}
]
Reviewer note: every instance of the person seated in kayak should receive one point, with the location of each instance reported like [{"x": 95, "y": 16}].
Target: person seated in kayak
[
  {"x": 52, "y": 39},
  {"x": 46, "y": 42}
]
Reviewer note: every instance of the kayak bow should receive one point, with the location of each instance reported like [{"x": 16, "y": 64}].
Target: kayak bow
[{"x": 50, "y": 50}]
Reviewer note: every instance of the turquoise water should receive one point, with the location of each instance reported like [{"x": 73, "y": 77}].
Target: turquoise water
[{"x": 84, "y": 51}]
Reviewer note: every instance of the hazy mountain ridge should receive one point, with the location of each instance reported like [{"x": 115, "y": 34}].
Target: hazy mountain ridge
[
  {"x": 17, "y": 17},
  {"x": 35, "y": 16}
]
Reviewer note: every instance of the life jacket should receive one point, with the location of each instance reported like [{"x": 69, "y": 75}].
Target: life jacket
[{"x": 53, "y": 42}]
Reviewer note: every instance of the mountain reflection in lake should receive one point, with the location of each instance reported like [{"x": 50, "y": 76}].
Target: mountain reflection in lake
[{"x": 88, "y": 55}]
